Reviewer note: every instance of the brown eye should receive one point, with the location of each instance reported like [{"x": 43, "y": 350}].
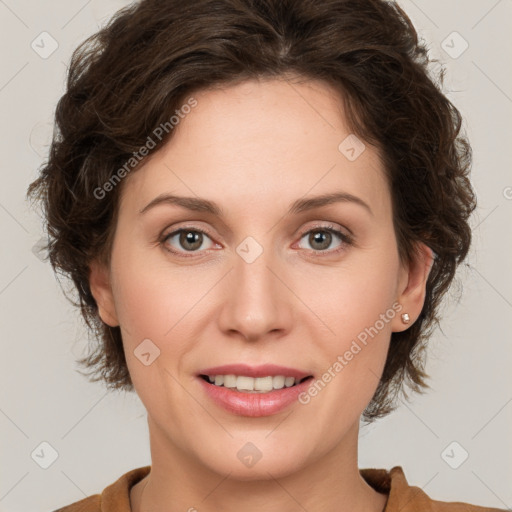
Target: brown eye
[
  {"x": 321, "y": 238},
  {"x": 186, "y": 240},
  {"x": 190, "y": 240}
]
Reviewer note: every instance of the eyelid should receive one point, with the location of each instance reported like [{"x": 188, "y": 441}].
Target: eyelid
[
  {"x": 347, "y": 239},
  {"x": 328, "y": 226},
  {"x": 184, "y": 227}
]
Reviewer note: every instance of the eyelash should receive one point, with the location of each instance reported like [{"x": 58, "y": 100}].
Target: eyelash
[{"x": 347, "y": 240}]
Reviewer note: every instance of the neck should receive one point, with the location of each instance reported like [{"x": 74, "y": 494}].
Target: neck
[{"x": 178, "y": 481}]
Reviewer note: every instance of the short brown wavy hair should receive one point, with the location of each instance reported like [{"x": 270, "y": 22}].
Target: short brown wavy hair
[{"x": 133, "y": 74}]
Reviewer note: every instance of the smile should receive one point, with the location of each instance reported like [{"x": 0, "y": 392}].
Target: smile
[{"x": 247, "y": 384}]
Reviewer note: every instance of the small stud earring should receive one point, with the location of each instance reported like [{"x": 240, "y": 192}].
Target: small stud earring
[{"x": 405, "y": 318}]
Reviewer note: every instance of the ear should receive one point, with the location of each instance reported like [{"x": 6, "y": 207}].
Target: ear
[
  {"x": 412, "y": 286},
  {"x": 101, "y": 289}
]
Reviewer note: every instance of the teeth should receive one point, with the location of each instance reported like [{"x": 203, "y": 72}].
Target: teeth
[
  {"x": 289, "y": 381},
  {"x": 246, "y": 383},
  {"x": 253, "y": 385},
  {"x": 278, "y": 381},
  {"x": 230, "y": 381}
]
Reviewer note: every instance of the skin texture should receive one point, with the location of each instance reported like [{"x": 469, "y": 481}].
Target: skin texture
[{"x": 255, "y": 148}]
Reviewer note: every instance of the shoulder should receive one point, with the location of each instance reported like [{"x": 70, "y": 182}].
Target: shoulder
[
  {"x": 115, "y": 497},
  {"x": 410, "y": 498}
]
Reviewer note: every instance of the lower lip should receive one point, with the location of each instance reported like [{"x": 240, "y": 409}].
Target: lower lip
[{"x": 254, "y": 404}]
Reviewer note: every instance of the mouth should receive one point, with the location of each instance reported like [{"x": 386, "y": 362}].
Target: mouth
[
  {"x": 253, "y": 391},
  {"x": 248, "y": 384},
  {"x": 246, "y": 378}
]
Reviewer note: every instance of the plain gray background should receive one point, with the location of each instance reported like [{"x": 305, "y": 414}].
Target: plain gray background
[{"x": 96, "y": 435}]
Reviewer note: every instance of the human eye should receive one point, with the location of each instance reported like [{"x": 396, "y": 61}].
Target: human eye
[
  {"x": 190, "y": 239},
  {"x": 320, "y": 242}
]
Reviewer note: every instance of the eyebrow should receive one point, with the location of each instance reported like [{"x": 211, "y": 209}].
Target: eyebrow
[{"x": 300, "y": 205}]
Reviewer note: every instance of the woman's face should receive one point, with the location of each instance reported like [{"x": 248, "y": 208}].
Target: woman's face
[{"x": 266, "y": 284}]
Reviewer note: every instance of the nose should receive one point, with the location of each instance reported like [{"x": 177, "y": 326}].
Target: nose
[{"x": 258, "y": 301}]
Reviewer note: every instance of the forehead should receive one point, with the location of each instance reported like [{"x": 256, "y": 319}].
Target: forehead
[{"x": 259, "y": 142}]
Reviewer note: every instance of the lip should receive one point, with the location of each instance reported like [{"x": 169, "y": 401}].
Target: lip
[
  {"x": 254, "y": 404},
  {"x": 254, "y": 371}
]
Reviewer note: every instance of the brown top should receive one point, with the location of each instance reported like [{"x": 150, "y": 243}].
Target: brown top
[{"x": 401, "y": 496}]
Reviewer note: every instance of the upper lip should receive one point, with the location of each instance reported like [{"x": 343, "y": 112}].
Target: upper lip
[{"x": 263, "y": 370}]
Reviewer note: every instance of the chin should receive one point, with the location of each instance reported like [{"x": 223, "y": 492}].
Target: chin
[{"x": 247, "y": 458}]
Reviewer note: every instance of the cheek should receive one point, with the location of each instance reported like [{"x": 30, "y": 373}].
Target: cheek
[
  {"x": 358, "y": 309},
  {"x": 360, "y": 314},
  {"x": 150, "y": 303},
  {"x": 143, "y": 304},
  {"x": 159, "y": 302},
  {"x": 353, "y": 297},
  {"x": 147, "y": 294}
]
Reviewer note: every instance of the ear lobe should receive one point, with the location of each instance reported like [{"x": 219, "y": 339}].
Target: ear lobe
[
  {"x": 412, "y": 293},
  {"x": 101, "y": 289}
]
